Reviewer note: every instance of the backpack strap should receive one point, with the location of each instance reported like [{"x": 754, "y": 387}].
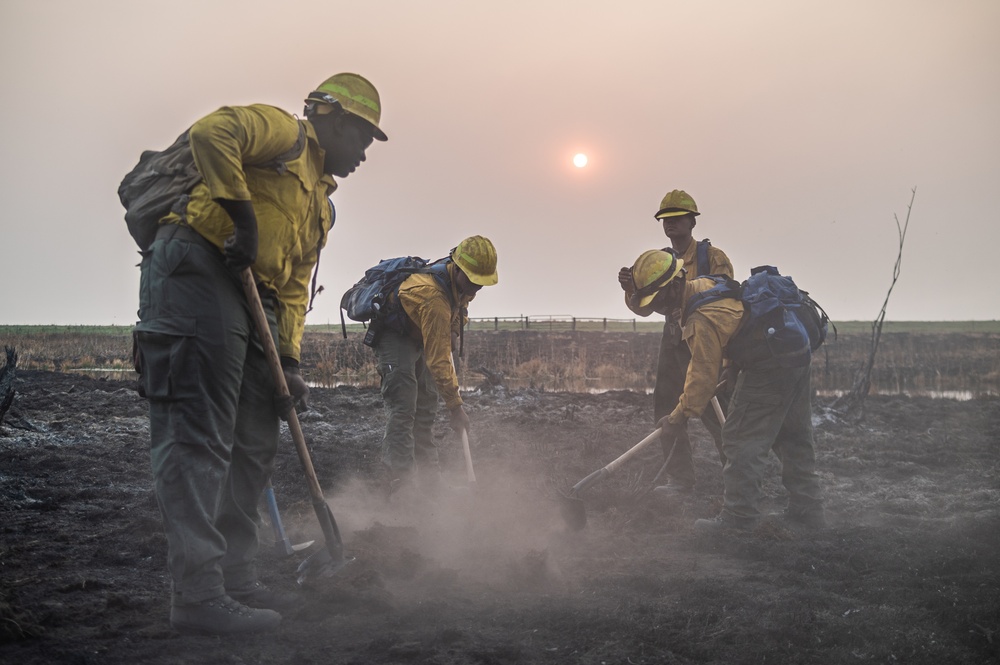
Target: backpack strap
[
  {"x": 279, "y": 163},
  {"x": 439, "y": 269},
  {"x": 725, "y": 287},
  {"x": 825, "y": 318},
  {"x": 313, "y": 291},
  {"x": 704, "y": 267}
]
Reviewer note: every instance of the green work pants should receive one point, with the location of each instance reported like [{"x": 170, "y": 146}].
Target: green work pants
[
  {"x": 671, "y": 370},
  {"x": 770, "y": 410},
  {"x": 212, "y": 418},
  {"x": 411, "y": 401}
]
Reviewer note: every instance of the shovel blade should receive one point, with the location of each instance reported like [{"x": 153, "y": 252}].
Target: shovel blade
[
  {"x": 574, "y": 511},
  {"x": 286, "y": 549},
  {"x": 326, "y": 561},
  {"x": 320, "y": 564},
  {"x": 283, "y": 548}
]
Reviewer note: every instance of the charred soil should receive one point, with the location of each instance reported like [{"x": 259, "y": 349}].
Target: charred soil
[{"x": 907, "y": 571}]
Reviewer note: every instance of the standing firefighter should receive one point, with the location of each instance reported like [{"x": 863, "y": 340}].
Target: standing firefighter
[
  {"x": 214, "y": 414},
  {"x": 678, "y": 211},
  {"x": 415, "y": 359},
  {"x": 770, "y": 407}
]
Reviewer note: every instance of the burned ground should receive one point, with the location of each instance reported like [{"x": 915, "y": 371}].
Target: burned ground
[{"x": 907, "y": 572}]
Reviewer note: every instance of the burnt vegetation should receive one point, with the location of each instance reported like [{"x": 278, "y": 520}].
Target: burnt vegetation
[{"x": 907, "y": 571}]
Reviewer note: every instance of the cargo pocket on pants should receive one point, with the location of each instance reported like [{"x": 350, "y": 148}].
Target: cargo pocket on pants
[
  {"x": 755, "y": 404},
  {"x": 166, "y": 358}
]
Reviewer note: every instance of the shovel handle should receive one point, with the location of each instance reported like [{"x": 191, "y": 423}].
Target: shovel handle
[
  {"x": 630, "y": 453},
  {"x": 718, "y": 410},
  {"x": 272, "y": 508},
  {"x": 588, "y": 481},
  {"x": 611, "y": 467},
  {"x": 274, "y": 361},
  {"x": 323, "y": 513},
  {"x": 469, "y": 471}
]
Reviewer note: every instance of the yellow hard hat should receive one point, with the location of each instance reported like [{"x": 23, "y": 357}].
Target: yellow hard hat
[
  {"x": 676, "y": 203},
  {"x": 477, "y": 257},
  {"x": 353, "y": 93},
  {"x": 653, "y": 270}
]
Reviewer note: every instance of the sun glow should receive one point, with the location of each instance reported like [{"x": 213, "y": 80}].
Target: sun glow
[{"x": 579, "y": 160}]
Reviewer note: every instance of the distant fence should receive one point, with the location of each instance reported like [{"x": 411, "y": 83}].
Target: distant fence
[{"x": 552, "y": 323}]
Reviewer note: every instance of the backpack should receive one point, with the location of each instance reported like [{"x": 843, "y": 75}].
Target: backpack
[
  {"x": 374, "y": 298},
  {"x": 782, "y": 322},
  {"x": 162, "y": 181}
]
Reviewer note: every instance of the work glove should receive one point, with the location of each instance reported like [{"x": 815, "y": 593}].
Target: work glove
[
  {"x": 459, "y": 419},
  {"x": 669, "y": 434},
  {"x": 241, "y": 247},
  {"x": 625, "y": 280},
  {"x": 298, "y": 399}
]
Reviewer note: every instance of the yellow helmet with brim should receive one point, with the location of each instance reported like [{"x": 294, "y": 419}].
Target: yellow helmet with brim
[
  {"x": 676, "y": 203},
  {"x": 652, "y": 271},
  {"x": 354, "y": 94},
  {"x": 477, "y": 258}
]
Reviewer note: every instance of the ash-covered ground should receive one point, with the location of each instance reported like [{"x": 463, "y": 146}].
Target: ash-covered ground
[{"x": 907, "y": 572}]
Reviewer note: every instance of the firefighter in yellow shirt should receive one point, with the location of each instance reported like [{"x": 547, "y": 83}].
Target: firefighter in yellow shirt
[
  {"x": 678, "y": 212},
  {"x": 415, "y": 362},
  {"x": 771, "y": 406},
  {"x": 213, "y": 413}
]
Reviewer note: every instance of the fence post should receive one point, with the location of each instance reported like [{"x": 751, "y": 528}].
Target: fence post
[
  {"x": 527, "y": 324},
  {"x": 605, "y": 324},
  {"x": 496, "y": 323},
  {"x": 574, "y": 324},
  {"x": 633, "y": 325}
]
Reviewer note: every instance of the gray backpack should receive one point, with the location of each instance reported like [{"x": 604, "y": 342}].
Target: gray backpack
[{"x": 162, "y": 181}]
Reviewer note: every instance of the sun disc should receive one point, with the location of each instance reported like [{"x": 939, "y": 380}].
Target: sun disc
[{"x": 579, "y": 160}]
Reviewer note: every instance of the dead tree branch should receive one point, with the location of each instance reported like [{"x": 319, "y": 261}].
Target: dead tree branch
[{"x": 853, "y": 401}]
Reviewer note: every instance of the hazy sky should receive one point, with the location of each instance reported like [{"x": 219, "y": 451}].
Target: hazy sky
[{"x": 799, "y": 127}]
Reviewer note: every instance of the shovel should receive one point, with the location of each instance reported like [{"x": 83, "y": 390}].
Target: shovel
[
  {"x": 573, "y": 510},
  {"x": 327, "y": 561},
  {"x": 282, "y": 546},
  {"x": 469, "y": 471}
]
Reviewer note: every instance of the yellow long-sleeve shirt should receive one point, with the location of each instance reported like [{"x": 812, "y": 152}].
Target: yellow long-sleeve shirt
[
  {"x": 435, "y": 314},
  {"x": 707, "y": 331},
  {"x": 292, "y": 208}
]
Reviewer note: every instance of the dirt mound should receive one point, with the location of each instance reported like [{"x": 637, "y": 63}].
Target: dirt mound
[{"x": 907, "y": 571}]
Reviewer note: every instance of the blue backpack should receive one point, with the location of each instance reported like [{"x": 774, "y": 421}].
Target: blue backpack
[
  {"x": 373, "y": 299},
  {"x": 783, "y": 322}
]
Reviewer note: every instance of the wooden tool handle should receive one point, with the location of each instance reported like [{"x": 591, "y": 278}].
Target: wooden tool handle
[
  {"x": 274, "y": 361},
  {"x": 468, "y": 457},
  {"x": 718, "y": 410},
  {"x": 628, "y": 454}
]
